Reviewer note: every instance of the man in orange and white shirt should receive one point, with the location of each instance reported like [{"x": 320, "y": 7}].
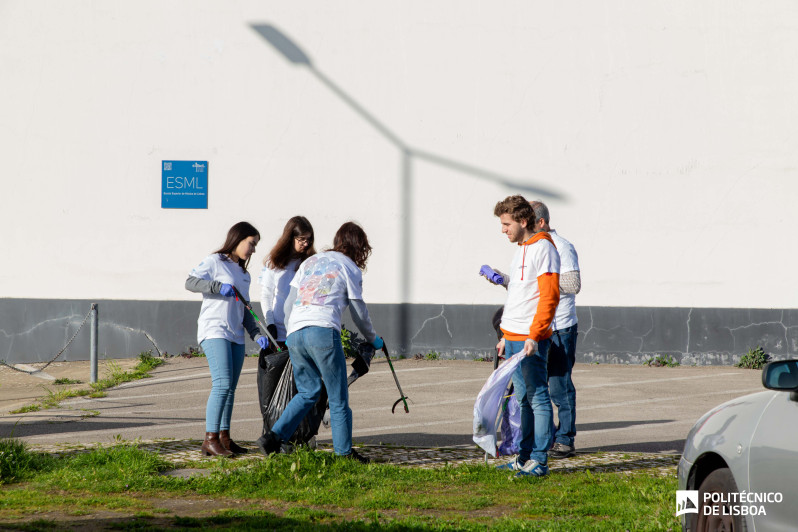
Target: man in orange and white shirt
[{"x": 532, "y": 296}]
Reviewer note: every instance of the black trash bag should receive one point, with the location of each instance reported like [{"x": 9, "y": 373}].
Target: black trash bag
[
  {"x": 362, "y": 361},
  {"x": 282, "y": 395},
  {"x": 270, "y": 369}
]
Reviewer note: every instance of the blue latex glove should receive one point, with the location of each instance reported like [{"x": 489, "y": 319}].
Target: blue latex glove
[
  {"x": 227, "y": 290},
  {"x": 378, "y": 343},
  {"x": 491, "y": 275},
  {"x": 263, "y": 342}
]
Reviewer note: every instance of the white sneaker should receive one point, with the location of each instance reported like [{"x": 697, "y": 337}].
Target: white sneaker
[
  {"x": 512, "y": 465},
  {"x": 532, "y": 468}
]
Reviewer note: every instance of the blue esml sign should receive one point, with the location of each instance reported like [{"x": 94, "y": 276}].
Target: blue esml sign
[{"x": 184, "y": 184}]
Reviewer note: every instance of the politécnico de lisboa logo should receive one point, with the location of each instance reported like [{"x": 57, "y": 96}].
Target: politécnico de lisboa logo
[{"x": 686, "y": 502}]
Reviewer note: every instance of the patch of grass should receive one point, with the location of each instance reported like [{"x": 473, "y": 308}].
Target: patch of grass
[
  {"x": 433, "y": 355},
  {"x": 660, "y": 361},
  {"x": 146, "y": 363},
  {"x": 25, "y": 409},
  {"x": 753, "y": 359},
  {"x": 315, "y": 488},
  {"x": 18, "y": 463},
  {"x": 67, "y": 381}
]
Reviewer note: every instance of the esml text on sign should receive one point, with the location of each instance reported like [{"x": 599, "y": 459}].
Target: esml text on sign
[{"x": 184, "y": 184}]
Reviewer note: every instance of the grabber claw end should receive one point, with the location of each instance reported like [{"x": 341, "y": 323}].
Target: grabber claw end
[{"x": 400, "y": 400}]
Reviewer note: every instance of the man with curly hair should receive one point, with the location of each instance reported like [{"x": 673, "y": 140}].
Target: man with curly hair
[{"x": 532, "y": 297}]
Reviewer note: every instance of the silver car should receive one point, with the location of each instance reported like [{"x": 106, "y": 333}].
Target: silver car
[{"x": 742, "y": 458}]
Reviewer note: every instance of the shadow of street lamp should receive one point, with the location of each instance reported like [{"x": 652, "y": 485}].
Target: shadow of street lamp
[{"x": 294, "y": 54}]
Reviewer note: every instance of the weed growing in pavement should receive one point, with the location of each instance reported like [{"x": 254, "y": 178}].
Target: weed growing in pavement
[
  {"x": 67, "y": 381},
  {"x": 192, "y": 353},
  {"x": 27, "y": 408},
  {"x": 660, "y": 361},
  {"x": 53, "y": 398},
  {"x": 753, "y": 359},
  {"x": 433, "y": 355}
]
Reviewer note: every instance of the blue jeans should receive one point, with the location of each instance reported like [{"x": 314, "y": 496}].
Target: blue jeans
[
  {"x": 562, "y": 355},
  {"x": 225, "y": 360},
  {"x": 532, "y": 391},
  {"x": 317, "y": 355}
]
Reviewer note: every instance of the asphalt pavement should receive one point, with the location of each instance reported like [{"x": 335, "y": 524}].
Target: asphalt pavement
[{"x": 619, "y": 407}]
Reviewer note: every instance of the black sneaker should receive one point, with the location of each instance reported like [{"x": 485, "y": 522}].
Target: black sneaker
[
  {"x": 560, "y": 450},
  {"x": 354, "y": 455},
  {"x": 268, "y": 443}
]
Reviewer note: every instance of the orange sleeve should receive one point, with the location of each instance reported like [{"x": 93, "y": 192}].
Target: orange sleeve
[{"x": 549, "y": 288}]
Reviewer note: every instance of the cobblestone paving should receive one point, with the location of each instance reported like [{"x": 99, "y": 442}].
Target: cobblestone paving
[{"x": 186, "y": 453}]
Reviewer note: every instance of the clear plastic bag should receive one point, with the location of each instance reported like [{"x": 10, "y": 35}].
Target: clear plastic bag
[
  {"x": 511, "y": 425},
  {"x": 489, "y": 402}
]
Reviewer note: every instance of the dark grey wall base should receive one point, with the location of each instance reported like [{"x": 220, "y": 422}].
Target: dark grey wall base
[{"x": 33, "y": 330}]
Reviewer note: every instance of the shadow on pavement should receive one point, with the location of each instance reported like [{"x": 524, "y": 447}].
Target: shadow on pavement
[
  {"x": 603, "y": 425},
  {"x": 642, "y": 447},
  {"x": 414, "y": 439},
  {"x": 45, "y": 427}
]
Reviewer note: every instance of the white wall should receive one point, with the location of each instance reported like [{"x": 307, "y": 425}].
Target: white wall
[{"x": 669, "y": 129}]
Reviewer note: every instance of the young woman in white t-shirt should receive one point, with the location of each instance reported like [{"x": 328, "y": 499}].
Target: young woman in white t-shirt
[
  {"x": 294, "y": 246},
  {"x": 220, "y": 330},
  {"x": 322, "y": 288}
]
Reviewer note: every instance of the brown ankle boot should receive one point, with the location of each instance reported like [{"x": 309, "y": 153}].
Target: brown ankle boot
[
  {"x": 213, "y": 447},
  {"x": 230, "y": 445}
]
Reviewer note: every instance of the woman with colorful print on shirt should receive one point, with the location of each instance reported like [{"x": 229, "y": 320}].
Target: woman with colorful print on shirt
[
  {"x": 322, "y": 288},
  {"x": 294, "y": 246},
  {"x": 220, "y": 330}
]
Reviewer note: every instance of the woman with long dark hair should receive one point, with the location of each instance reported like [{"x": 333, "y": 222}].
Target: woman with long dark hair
[
  {"x": 294, "y": 246},
  {"x": 220, "y": 330},
  {"x": 321, "y": 289}
]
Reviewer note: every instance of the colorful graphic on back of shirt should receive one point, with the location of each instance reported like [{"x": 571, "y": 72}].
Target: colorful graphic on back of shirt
[{"x": 317, "y": 281}]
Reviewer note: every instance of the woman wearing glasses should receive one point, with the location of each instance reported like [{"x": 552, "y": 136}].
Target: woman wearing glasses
[{"x": 294, "y": 246}]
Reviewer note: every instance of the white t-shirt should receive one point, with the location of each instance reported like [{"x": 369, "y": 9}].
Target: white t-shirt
[
  {"x": 221, "y": 317},
  {"x": 275, "y": 286},
  {"x": 565, "y": 316},
  {"x": 325, "y": 283},
  {"x": 529, "y": 262}
]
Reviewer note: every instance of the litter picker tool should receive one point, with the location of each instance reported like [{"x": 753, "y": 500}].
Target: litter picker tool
[
  {"x": 403, "y": 398},
  {"x": 239, "y": 297}
]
